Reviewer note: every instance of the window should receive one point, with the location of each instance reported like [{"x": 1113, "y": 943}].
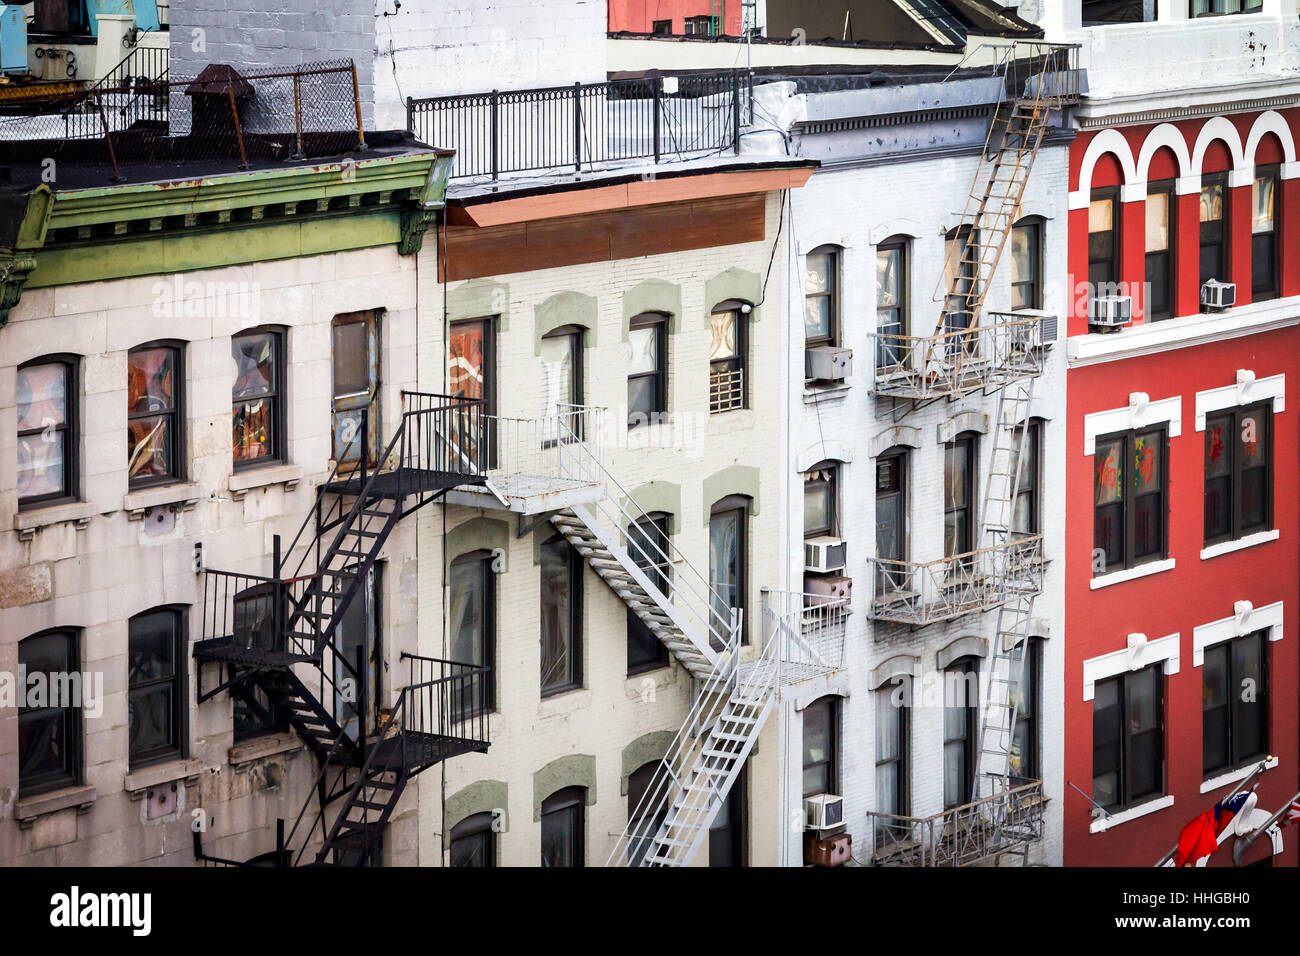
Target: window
[
  {"x": 647, "y": 369},
  {"x": 1129, "y": 512},
  {"x": 1160, "y": 206},
  {"x": 1209, "y": 8},
  {"x": 821, "y": 734},
  {"x": 821, "y": 298},
  {"x": 662, "y": 27},
  {"x": 157, "y": 699},
  {"x": 1096, "y": 12},
  {"x": 892, "y": 738},
  {"x": 474, "y": 842},
  {"x": 1128, "y": 738},
  {"x": 820, "y": 514},
  {"x": 1263, "y": 234},
  {"x": 728, "y": 842},
  {"x": 154, "y": 421},
  {"x": 962, "y": 253},
  {"x": 891, "y": 523},
  {"x": 256, "y": 714},
  {"x": 647, "y": 545},
  {"x": 1234, "y": 704},
  {"x": 644, "y": 821},
  {"x": 258, "y": 398},
  {"x": 561, "y": 605},
  {"x": 1238, "y": 473},
  {"x": 473, "y": 629},
  {"x": 1028, "y": 510},
  {"x": 960, "y": 716},
  {"x": 727, "y": 348},
  {"x": 1103, "y": 242},
  {"x": 563, "y": 822},
  {"x": 50, "y": 731},
  {"x": 891, "y": 304},
  {"x": 701, "y": 26},
  {"x": 1027, "y": 264},
  {"x": 728, "y": 558},
  {"x": 47, "y": 437},
  {"x": 1214, "y": 230},
  {"x": 959, "y": 496},
  {"x": 358, "y": 654},
  {"x": 561, "y": 370},
  {"x": 1025, "y": 759},
  {"x": 471, "y": 373}
]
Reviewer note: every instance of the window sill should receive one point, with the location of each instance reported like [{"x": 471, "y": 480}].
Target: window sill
[
  {"x": 259, "y": 748},
  {"x": 1102, "y": 824},
  {"x": 1235, "y": 776},
  {"x": 814, "y": 393},
  {"x": 28, "y": 809},
  {"x": 27, "y": 523},
  {"x": 1131, "y": 574},
  {"x": 180, "y": 497},
  {"x": 241, "y": 482},
  {"x": 138, "y": 781},
  {"x": 1249, "y": 541}
]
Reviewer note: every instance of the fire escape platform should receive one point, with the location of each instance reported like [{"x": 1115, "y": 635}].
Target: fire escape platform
[
  {"x": 419, "y": 751},
  {"x": 402, "y": 482},
  {"x": 224, "y": 650},
  {"x": 527, "y": 494}
]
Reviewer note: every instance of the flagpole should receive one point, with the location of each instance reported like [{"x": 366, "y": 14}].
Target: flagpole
[
  {"x": 1263, "y": 765},
  {"x": 1243, "y": 844}
]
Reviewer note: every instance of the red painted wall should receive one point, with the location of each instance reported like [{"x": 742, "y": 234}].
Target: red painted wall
[
  {"x": 1194, "y": 592},
  {"x": 638, "y": 16}
]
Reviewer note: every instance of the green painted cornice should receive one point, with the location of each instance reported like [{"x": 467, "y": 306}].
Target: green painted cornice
[{"x": 18, "y": 261}]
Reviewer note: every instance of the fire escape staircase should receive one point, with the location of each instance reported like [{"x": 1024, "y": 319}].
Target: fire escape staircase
[{"x": 259, "y": 629}]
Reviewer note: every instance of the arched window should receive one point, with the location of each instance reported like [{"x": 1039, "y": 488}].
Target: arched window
[
  {"x": 472, "y": 585},
  {"x": 646, "y": 808},
  {"x": 892, "y": 575},
  {"x": 821, "y": 742},
  {"x": 1027, "y": 513},
  {"x": 48, "y": 446},
  {"x": 473, "y": 842},
  {"x": 892, "y": 321},
  {"x": 563, "y": 827},
  {"x": 959, "y": 495},
  {"x": 562, "y": 384},
  {"x": 648, "y": 546},
  {"x": 960, "y": 726},
  {"x": 728, "y": 345},
  {"x": 728, "y": 562},
  {"x": 822, "y": 303},
  {"x": 647, "y": 369}
]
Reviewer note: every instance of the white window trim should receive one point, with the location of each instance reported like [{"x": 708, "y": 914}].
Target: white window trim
[
  {"x": 1249, "y": 390},
  {"x": 1131, "y": 574},
  {"x": 1246, "y": 619},
  {"x": 1140, "y": 413},
  {"x": 1249, "y": 541},
  {"x": 1138, "y": 653},
  {"x": 1235, "y": 776},
  {"x": 1104, "y": 823}
]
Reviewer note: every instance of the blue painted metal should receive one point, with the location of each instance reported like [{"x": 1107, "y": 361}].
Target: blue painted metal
[
  {"x": 13, "y": 40},
  {"x": 144, "y": 11}
]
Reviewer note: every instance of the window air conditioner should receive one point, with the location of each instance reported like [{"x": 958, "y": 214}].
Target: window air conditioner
[
  {"x": 1032, "y": 335},
  {"x": 823, "y": 812},
  {"x": 824, "y": 555},
  {"x": 826, "y": 363},
  {"x": 1217, "y": 296},
  {"x": 1110, "y": 311}
]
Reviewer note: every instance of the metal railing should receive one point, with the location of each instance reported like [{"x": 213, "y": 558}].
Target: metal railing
[
  {"x": 951, "y": 363},
  {"x": 926, "y": 592},
  {"x": 585, "y": 125},
  {"x": 726, "y": 390},
  {"x": 970, "y": 834}
]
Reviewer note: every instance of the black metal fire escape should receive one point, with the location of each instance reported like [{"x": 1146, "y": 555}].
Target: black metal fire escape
[{"x": 275, "y": 639}]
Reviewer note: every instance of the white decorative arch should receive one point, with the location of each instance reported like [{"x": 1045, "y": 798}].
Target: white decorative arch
[
  {"x": 823, "y": 451},
  {"x": 1107, "y": 141},
  {"x": 894, "y": 227},
  {"x": 1219, "y": 127},
  {"x": 1036, "y": 206},
  {"x": 906, "y": 436},
  {"x": 1271, "y": 121},
  {"x": 822, "y": 237},
  {"x": 1160, "y": 137}
]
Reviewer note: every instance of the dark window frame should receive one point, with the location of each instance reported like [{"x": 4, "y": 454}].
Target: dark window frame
[
  {"x": 739, "y": 505},
  {"x": 639, "y": 636},
  {"x": 734, "y": 363},
  {"x": 832, "y": 294},
  {"x": 177, "y": 413},
  {"x": 74, "y": 726},
  {"x": 893, "y": 355},
  {"x": 834, "y": 783},
  {"x": 736, "y": 833},
  {"x": 1222, "y": 227},
  {"x": 1271, "y": 289},
  {"x": 1216, "y": 9},
  {"x": 832, "y": 485},
  {"x": 1128, "y": 498},
  {"x": 575, "y": 334},
  {"x": 900, "y": 455},
  {"x": 1036, "y": 226},
  {"x": 1126, "y": 798},
  {"x": 661, "y": 27},
  {"x": 277, "y": 396},
  {"x": 1236, "y": 484},
  {"x": 1034, "y": 429},
  {"x": 1233, "y": 703},
  {"x": 487, "y": 636},
  {"x": 639, "y": 782},
  {"x": 179, "y": 749},
  {"x": 970, "y": 440},
  {"x": 1163, "y": 265},
  {"x": 903, "y": 789},
  {"x": 571, "y": 801},
  {"x": 963, "y": 666},
  {"x": 71, "y": 430},
  {"x": 489, "y": 323},
  {"x": 573, "y": 568},
  {"x": 1112, "y": 261},
  {"x": 1031, "y": 764},
  {"x": 659, "y": 322},
  {"x": 480, "y": 828}
]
